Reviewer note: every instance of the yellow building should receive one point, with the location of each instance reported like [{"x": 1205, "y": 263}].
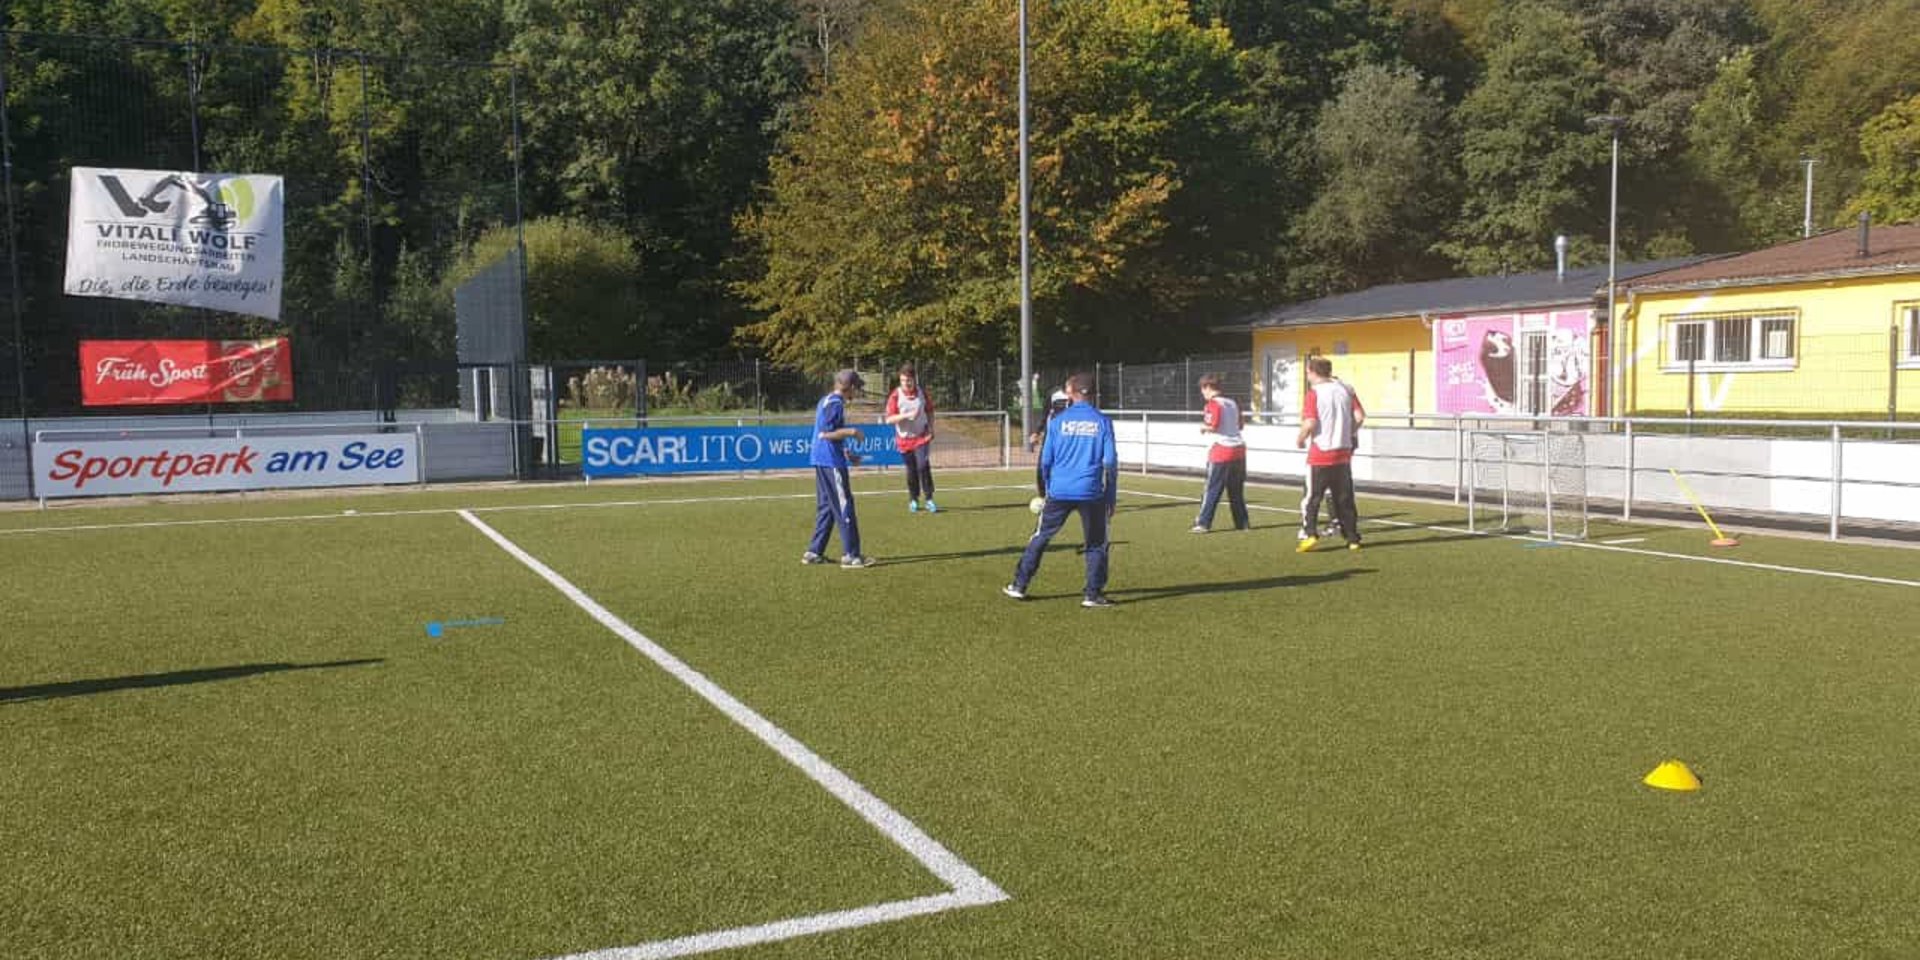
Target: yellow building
[
  {"x": 1515, "y": 344},
  {"x": 1828, "y": 326}
]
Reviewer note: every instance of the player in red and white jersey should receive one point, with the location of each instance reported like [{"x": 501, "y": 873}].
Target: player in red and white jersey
[
  {"x": 1226, "y": 458},
  {"x": 1329, "y": 431},
  {"x": 910, "y": 411}
]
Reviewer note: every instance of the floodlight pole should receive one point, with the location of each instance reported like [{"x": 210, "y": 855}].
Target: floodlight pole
[
  {"x": 13, "y": 255},
  {"x": 1026, "y": 266},
  {"x": 1806, "y": 222},
  {"x": 1612, "y": 122}
]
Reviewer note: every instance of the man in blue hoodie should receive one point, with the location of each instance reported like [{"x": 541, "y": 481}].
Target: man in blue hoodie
[
  {"x": 833, "y": 494},
  {"x": 1081, "y": 468}
]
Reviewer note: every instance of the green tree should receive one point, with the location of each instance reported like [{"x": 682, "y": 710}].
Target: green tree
[
  {"x": 1293, "y": 53},
  {"x": 1743, "y": 200},
  {"x": 892, "y": 222},
  {"x": 1830, "y": 67},
  {"x": 658, "y": 117},
  {"x": 1660, "y": 57},
  {"x": 1531, "y": 166},
  {"x": 1890, "y": 186},
  {"x": 1381, "y": 144},
  {"x": 582, "y": 296}
]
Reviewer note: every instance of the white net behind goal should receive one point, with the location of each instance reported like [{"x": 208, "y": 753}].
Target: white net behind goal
[{"x": 1528, "y": 481}]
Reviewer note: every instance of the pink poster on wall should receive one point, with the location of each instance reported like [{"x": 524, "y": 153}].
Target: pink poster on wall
[{"x": 1526, "y": 363}]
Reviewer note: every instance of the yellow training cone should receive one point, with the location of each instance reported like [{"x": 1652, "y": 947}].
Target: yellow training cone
[{"x": 1672, "y": 775}]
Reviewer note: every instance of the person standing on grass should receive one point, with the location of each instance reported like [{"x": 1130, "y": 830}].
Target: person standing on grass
[
  {"x": 910, "y": 411},
  {"x": 1080, "y": 466},
  {"x": 1312, "y": 521},
  {"x": 1329, "y": 431},
  {"x": 833, "y": 494},
  {"x": 1226, "y": 459}
]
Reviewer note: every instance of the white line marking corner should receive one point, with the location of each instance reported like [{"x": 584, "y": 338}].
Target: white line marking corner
[{"x": 969, "y": 888}]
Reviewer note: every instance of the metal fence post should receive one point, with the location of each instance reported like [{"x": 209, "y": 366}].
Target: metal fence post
[
  {"x": 1006, "y": 440},
  {"x": 1893, "y": 377},
  {"x": 1689, "y": 395},
  {"x": 1119, "y": 386},
  {"x": 1626, "y": 501},
  {"x": 420, "y": 447},
  {"x": 1413, "y": 357},
  {"x": 1186, "y": 396},
  {"x": 1459, "y": 458},
  {"x": 1146, "y": 447},
  {"x": 1833, "y": 514}
]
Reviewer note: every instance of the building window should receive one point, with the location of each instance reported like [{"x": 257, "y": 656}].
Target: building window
[
  {"x": 1909, "y": 334},
  {"x": 1732, "y": 341}
]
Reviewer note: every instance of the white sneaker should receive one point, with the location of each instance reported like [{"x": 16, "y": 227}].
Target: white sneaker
[
  {"x": 1016, "y": 592},
  {"x": 855, "y": 563},
  {"x": 1196, "y": 528},
  {"x": 811, "y": 558}
]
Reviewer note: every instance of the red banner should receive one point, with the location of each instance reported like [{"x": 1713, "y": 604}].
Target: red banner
[{"x": 139, "y": 372}]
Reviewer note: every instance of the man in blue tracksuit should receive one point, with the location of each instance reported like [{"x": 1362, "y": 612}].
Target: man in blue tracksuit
[
  {"x": 833, "y": 495},
  {"x": 1081, "y": 467}
]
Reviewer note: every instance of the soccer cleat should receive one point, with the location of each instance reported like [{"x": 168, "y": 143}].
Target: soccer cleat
[
  {"x": 913, "y": 506},
  {"x": 1305, "y": 544},
  {"x": 812, "y": 558},
  {"x": 1197, "y": 529},
  {"x": 1096, "y": 601},
  {"x": 1354, "y": 545},
  {"x": 851, "y": 562},
  {"x": 931, "y": 506},
  {"x": 1015, "y": 591}
]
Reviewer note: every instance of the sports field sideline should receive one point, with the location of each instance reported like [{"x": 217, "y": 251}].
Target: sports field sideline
[{"x": 647, "y": 730}]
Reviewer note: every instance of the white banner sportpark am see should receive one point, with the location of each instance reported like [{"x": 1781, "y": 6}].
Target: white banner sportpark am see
[
  {"x": 102, "y": 468},
  {"x": 210, "y": 240}
]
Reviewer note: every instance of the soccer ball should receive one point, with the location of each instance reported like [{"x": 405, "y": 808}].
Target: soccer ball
[{"x": 1037, "y": 504}]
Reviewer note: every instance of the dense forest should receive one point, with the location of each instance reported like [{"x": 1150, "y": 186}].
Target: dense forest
[{"x": 815, "y": 179}]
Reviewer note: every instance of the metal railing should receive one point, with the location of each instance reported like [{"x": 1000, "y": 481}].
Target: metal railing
[{"x": 1754, "y": 467}]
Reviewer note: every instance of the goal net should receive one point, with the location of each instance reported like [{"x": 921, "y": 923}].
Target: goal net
[{"x": 1527, "y": 482}]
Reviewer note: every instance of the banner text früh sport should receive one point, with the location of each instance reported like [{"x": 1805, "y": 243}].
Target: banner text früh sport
[{"x": 153, "y": 372}]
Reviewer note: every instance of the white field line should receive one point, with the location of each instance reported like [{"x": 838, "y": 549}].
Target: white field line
[
  {"x": 1748, "y": 564},
  {"x": 502, "y": 508},
  {"x": 969, "y": 887},
  {"x": 1624, "y": 541}
]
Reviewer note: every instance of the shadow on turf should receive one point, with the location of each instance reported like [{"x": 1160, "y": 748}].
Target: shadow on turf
[
  {"x": 1379, "y": 542},
  {"x": 1013, "y": 550},
  {"x": 1145, "y": 594},
  {"x": 81, "y": 688}
]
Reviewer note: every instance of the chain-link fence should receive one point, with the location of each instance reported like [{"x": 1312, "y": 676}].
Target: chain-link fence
[
  {"x": 745, "y": 384},
  {"x": 390, "y": 169}
]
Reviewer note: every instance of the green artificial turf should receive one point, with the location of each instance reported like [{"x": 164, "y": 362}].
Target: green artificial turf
[{"x": 234, "y": 739}]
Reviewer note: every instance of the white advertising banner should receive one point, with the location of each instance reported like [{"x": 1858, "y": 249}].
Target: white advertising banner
[
  {"x": 210, "y": 240},
  {"x": 104, "y": 468}
]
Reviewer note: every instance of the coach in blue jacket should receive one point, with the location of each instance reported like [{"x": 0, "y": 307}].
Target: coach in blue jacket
[{"x": 1082, "y": 471}]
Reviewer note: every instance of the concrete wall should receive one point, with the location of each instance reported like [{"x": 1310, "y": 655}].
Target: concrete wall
[{"x": 1880, "y": 478}]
